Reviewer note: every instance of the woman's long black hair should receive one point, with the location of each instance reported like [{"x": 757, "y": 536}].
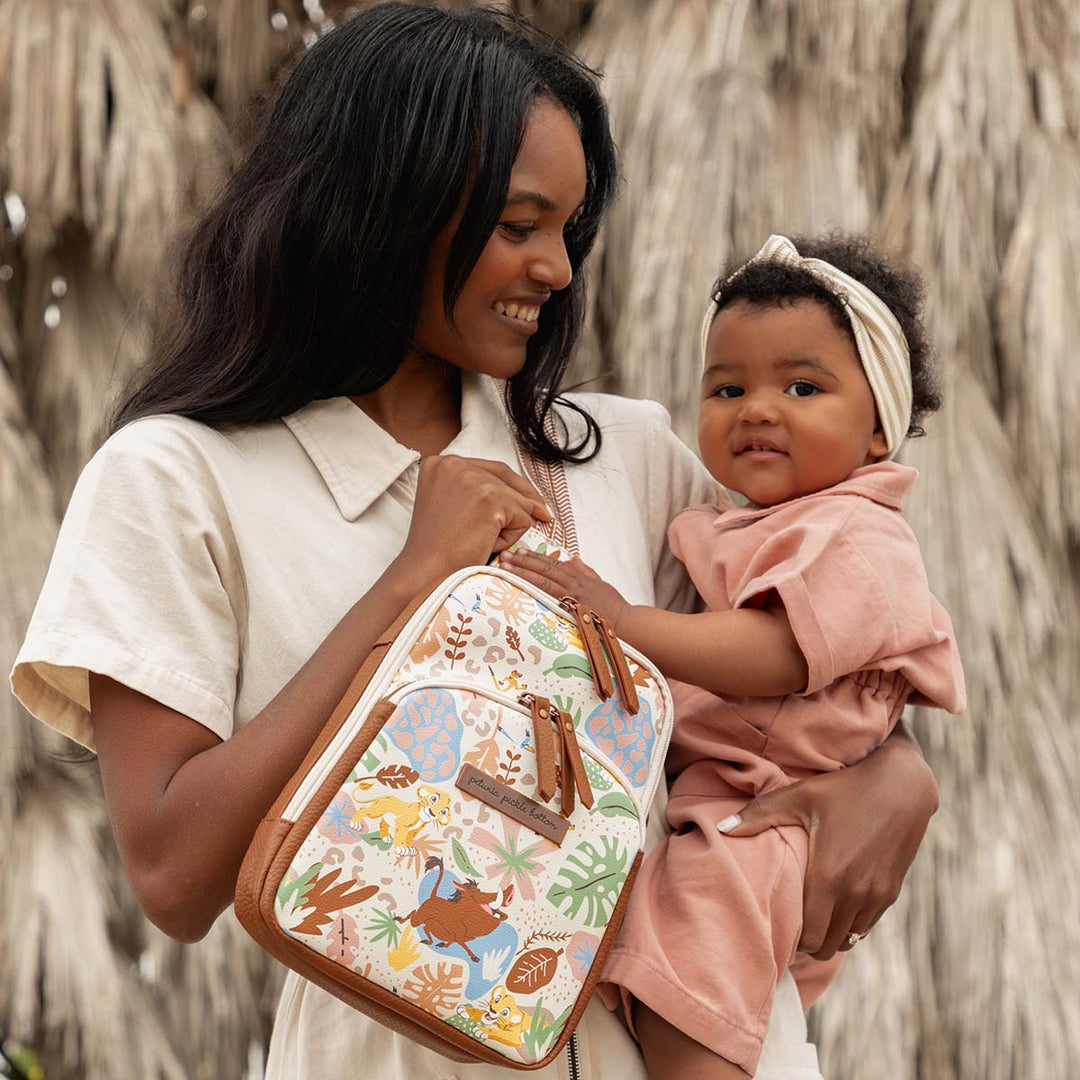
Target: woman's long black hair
[{"x": 304, "y": 279}]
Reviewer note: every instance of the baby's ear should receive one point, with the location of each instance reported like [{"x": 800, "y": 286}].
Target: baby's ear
[{"x": 879, "y": 445}]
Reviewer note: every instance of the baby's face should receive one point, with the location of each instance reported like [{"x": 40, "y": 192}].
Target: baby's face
[{"x": 785, "y": 406}]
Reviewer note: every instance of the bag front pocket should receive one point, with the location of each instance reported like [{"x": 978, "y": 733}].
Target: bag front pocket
[{"x": 452, "y": 902}]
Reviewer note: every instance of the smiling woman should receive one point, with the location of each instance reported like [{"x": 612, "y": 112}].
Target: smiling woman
[{"x": 368, "y": 338}]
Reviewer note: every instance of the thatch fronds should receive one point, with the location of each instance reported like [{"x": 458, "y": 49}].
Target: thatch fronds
[
  {"x": 79, "y": 338},
  {"x": 27, "y": 534},
  {"x": 62, "y": 976},
  {"x": 954, "y": 192},
  {"x": 224, "y": 988},
  {"x": 564, "y": 19},
  {"x": 94, "y": 138},
  {"x": 1038, "y": 326},
  {"x": 725, "y": 114}
]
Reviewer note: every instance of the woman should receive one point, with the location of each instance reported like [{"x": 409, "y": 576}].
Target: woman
[{"x": 325, "y": 430}]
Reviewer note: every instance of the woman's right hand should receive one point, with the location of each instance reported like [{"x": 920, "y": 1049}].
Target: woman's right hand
[{"x": 467, "y": 509}]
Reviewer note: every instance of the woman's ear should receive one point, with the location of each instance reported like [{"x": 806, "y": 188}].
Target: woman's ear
[{"x": 879, "y": 445}]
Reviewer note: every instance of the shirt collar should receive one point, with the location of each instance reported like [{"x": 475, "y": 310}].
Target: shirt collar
[
  {"x": 885, "y": 482},
  {"x": 358, "y": 460}
]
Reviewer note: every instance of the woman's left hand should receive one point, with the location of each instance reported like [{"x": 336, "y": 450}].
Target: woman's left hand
[
  {"x": 865, "y": 824},
  {"x": 571, "y": 577}
]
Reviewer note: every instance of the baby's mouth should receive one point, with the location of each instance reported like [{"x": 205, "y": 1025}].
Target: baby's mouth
[{"x": 521, "y": 312}]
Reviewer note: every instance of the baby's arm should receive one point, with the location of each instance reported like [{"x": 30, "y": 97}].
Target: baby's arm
[{"x": 743, "y": 653}]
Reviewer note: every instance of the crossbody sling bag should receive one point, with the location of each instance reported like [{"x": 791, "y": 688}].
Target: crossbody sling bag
[{"x": 455, "y": 853}]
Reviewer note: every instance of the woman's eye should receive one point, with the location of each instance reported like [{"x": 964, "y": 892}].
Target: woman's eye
[
  {"x": 516, "y": 231},
  {"x": 729, "y": 390},
  {"x": 801, "y": 388}
]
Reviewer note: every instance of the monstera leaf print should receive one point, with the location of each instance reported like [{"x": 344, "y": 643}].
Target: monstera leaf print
[{"x": 590, "y": 879}]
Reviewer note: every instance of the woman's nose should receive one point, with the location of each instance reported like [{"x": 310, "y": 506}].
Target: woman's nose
[{"x": 551, "y": 266}]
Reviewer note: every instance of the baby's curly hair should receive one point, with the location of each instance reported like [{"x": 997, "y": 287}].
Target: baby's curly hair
[{"x": 769, "y": 282}]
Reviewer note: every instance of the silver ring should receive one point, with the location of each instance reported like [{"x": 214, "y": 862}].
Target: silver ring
[{"x": 854, "y": 939}]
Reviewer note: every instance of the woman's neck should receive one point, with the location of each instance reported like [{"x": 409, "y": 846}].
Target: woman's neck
[{"x": 420, "y": 406}]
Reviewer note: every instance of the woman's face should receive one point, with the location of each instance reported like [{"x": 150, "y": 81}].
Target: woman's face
[{"x": 523, "y": 263}]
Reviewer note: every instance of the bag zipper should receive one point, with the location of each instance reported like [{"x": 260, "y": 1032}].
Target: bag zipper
[
  {"x": 518, "y": 706},
  {"x": 400, "y": 649},
  {"x": 572, "y": 1055}
]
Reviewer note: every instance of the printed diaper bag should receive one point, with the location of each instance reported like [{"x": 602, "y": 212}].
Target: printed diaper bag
[{"x": 455, "y": 854}]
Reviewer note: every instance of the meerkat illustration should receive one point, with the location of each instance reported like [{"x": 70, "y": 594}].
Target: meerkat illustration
[
  {"x": 400, "y": 821},
  {"x": 502, "y": 1021},
  {"x": 511, "y": 682}
]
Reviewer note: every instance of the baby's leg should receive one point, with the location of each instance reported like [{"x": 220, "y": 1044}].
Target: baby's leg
[{"x": 672, "y": 1055}]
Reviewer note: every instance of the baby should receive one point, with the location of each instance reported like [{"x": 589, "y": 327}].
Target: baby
[{"x": 820, "y": 627}]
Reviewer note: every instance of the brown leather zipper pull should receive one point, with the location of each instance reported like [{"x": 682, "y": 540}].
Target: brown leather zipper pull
[
  {"x": 594, "y": 650},
  {"x": 574, "y": 774},
  {"x": 544, "y": 744},
  {"x": 618, "y": 662}
]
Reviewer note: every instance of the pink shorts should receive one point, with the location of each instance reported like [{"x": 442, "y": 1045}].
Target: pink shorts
[{"x": 712, "y": 924}]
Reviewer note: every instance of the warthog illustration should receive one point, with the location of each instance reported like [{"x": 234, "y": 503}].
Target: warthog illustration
[{"x": 456, "y": 920}]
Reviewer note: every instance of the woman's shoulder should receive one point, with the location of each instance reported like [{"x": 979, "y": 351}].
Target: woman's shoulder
[
  {"x": 617, "y": 413},
  {"x": 166, "y": 439},
  {"x": 184, "y": 454}
]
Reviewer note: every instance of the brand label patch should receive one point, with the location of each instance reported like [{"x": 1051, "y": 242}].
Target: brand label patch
[{"x": 512, "y": 803}]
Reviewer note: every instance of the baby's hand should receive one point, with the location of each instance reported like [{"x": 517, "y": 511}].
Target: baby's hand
[{"x": 569, "y": 578}]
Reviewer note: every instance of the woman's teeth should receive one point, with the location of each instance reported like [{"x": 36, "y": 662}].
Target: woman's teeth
[{"x": 516, "y": 311}]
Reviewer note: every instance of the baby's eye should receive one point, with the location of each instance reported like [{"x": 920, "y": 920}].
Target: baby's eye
[
  {"x": 802, "y": 388},
  {"x": 728, "y": 390},
  {"x": 517, "y": 231},
  {"x": 433, "y": 799}
]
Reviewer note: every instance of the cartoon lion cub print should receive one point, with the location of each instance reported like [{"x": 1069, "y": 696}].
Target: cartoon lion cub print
[
  {"x": 502, "y": 1021},
  {"x": 400, "y": 821}
]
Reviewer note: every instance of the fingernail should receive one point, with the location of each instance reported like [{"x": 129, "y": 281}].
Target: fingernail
[{"x": 729, "y": 823}]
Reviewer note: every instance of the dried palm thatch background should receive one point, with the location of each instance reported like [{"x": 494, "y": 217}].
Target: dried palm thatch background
[{"x": 947, "y": 127}]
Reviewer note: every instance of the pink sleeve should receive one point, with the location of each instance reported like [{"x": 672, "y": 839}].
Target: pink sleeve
[{"x": 855, "y": 592}]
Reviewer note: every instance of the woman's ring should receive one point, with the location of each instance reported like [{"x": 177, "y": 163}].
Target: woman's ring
[{"x": 854, "y": 939}]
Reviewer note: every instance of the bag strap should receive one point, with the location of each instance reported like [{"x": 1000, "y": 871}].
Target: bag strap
[{"x": 549, "y": 478}]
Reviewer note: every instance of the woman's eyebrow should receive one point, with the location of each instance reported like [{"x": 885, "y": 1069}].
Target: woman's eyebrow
[{"x": 539, "y": 200}]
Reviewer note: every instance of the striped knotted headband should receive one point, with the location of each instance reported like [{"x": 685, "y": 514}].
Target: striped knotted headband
[{"x": 879, "y": 340}]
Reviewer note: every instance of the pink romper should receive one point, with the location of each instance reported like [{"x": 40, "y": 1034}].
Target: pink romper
[{"x": 713, "y": 921}]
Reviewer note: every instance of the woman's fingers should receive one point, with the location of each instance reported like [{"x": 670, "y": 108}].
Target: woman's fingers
[
  {"x": 538, "y": 507},
  {"x": 465, "y": 509}
]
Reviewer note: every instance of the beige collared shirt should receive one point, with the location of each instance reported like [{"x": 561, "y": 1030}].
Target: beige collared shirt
[{"x": 202, "y": 568}]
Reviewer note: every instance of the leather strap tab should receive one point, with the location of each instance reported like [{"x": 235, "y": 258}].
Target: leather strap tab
[
  {"x": 618, "y": 662},
  {"x": 544, "y": 744},
  {"x": 569, "y": 785},
  {"x": 577, "y": 776},
  {"x": 594, "y": 651}
]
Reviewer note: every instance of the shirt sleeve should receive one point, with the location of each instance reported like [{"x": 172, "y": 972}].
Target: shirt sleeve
[
  {"x": 675, "y": 479},
  {"x": 855, "y": 591},
  {"x": 144, "y": 587}
]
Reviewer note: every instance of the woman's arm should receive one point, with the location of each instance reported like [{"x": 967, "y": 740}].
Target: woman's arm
[
  {"x": 865, "y": 824},
  {"x": 743, "y": 653},
  {"x": 183, "y": 804}
]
